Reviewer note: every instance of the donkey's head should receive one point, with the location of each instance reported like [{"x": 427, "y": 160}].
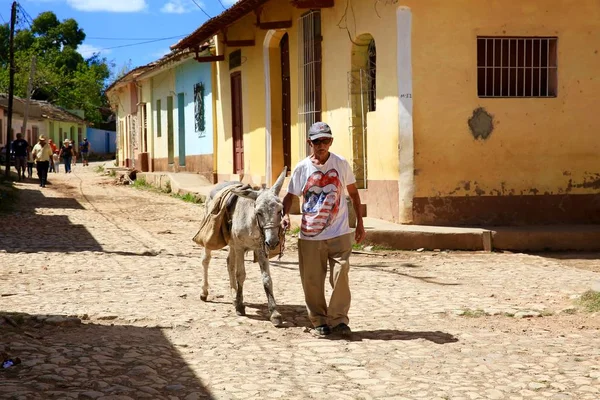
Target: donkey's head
[{"x": 268, "y": 209}]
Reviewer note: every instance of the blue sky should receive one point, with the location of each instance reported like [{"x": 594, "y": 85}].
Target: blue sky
[{"x": 107, "y": 22}]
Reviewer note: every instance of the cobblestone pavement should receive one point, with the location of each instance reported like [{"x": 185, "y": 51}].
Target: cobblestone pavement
[{"x": 100, "y": 293}]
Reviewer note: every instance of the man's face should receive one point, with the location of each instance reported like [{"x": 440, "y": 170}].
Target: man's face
[{"x": 320, "y": 146}]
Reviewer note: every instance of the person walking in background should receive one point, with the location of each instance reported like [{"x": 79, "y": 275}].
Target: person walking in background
[
  {"x": 29, "y": 162},
  {"x": 325, "y": 237},
  {"x": 65, "y": 154},
  {"x": 19, "y": 147},
  {"x": 55, "y": 162},
  {"x": 73, "y": 152},
  {"x": 84, "y": 150},
  {"x": 42, "y": 153},
  {"x": 54, "y": 151}
]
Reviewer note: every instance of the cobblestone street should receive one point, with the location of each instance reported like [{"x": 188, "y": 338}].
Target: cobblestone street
[{"x": 100, "y": 288}]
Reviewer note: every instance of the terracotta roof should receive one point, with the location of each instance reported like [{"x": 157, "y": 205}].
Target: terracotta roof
[
  {"x": 19, "y": 106},
  {"x": 173, "y": 56},
  {"x": 215, "y": 24},
  {"x": 131, "y": 75},
  {"x": 56, "y": 113}
]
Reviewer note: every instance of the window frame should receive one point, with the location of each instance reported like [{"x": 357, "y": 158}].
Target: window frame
[{"x": 517, "y": 66}]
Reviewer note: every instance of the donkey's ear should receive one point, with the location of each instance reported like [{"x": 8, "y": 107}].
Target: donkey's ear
[
  {"x": 247, "y": 193},
  {"x": 279, "y": 183}
]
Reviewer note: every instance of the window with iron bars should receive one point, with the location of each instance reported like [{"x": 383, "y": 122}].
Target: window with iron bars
[{"x": 517, "y": 67}]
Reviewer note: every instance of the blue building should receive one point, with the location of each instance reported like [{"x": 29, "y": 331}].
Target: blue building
[
  {"x": 101, "y": 141},
  {"x": 194, "y": 142}
]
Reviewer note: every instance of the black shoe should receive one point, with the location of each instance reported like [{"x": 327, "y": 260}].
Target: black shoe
[
  {"x": 342, "y": 329},
  {"x": 322, "y": 330}
]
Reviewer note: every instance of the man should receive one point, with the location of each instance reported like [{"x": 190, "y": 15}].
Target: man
[
  {"x": 19, "y": 147},
  {"x": 325, "y": 236},
  {"x": 84, "y": 149},
  {"x": 42, "y": 153}
]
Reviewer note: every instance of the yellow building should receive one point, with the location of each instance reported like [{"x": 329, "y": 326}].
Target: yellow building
[
  {"x": 165, "y": 114},
  {"x": 123, "y": 95},
  {"x": 461, "y": 112}
]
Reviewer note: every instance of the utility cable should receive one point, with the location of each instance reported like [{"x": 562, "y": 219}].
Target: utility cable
[
  {"x": 221, "y": 3},
  {"x": 140, "y": 43},
  {"x": 202, "y": 9}
]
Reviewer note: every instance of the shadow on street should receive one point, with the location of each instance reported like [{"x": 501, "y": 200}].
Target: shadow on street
[
  {"x": 27, "y": 231},
  {"x": 120, "y": 360}
]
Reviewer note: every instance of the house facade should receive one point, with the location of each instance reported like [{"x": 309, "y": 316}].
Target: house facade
[
  {"x": 60, "y": 124},
  {"x": 477, "y": 122},
  {"x": 35, "y": 123},
  {"x": 165, "y": 115}
]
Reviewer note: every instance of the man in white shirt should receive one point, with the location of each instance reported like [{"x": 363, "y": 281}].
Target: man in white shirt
[
  {"x": 42, "y": 152},
  {"x": 325, "y": 236}
]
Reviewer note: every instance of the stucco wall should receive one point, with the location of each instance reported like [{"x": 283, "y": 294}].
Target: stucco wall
[
  {"x": 163, "y": 85},
  {"x": 539, "y": 165},
  {"x": 101, "y": 141},
  {"x": 538, "y": 148},
  {"x": 189, "y": 74}
]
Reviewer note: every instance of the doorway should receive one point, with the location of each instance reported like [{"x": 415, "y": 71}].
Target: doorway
[
  {"x": 170, "y": 133},
  {"x": 286, "y": 117},
  {"x": 237, "y": 126},
  {"x": 181, "y": 127}
]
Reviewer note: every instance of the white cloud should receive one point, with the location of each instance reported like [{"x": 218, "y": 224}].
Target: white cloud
[
  {"x": 108, "y": 5},
  {"x": 229, "y": 2},
  {"x": 180, "y": 6},
  {"x": 87, "y": 50}
]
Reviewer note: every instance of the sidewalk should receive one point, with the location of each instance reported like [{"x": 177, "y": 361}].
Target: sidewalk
[{"x": 413, "y": 237}]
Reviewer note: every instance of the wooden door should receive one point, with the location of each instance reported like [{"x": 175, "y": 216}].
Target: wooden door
[
  {"x": 286, "y": 117},
  {"x": 237, "y": 127}
]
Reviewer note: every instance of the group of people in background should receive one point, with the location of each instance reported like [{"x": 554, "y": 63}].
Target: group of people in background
[{"x": 46, "y": 156}]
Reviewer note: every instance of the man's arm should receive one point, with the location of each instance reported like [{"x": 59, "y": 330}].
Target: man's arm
[
  {"x": 360, "y": 233},
  {"x": 287, "y": 204}
]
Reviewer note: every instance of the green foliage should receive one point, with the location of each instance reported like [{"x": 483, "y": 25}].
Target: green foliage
[
  {"x": 63, "y": 77},
  {"x": 140, "y": 183},
  {"x": 590, "y": 300},
  {"x": 474, "y": 313},
  {"x": 99, "y": 169},
  {"x": 189, "y": 197}
]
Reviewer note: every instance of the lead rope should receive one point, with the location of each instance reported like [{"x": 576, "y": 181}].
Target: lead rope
[{"x": 263, "y": 239}]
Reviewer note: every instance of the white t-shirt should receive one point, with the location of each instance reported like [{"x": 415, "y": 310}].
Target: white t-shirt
[{"x": 323, "y": 192}]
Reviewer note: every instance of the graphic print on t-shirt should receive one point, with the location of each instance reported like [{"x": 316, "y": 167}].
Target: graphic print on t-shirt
[{"x": 321, "y": 201}]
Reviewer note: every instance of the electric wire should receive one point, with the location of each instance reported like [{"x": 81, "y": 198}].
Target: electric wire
[{"x": 201, "y": 9}]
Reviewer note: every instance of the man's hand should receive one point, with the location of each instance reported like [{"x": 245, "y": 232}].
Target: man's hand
[
  {"x": 285, "y": 222},
  {"x": 359, "y": 233}
]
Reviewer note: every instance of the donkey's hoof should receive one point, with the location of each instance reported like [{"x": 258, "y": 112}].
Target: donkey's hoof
[
  {"x": 203, "y": 297},
  {"x": 276, "y": 319},
  {"x": 241, "y": 311}
]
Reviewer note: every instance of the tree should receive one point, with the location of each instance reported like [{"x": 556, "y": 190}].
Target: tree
[{"x": 63, "y": 76}]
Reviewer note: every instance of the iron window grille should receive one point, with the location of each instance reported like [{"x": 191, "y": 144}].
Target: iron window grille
[
  {"x": 517, "y": 66},
  {"x": 309, "y": 74}
]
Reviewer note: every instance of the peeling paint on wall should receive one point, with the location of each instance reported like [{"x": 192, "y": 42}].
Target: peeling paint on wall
[{"x": 481, "y": 123}]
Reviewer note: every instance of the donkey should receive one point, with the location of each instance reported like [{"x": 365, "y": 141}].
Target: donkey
[{"x": 255, "y": 223}]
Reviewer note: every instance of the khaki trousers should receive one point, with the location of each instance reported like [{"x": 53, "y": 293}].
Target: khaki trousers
[{"x": 314, "y": 256}]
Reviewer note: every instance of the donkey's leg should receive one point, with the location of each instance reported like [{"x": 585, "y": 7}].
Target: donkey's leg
[
  {"x": 240, "y": 275},
  {"x": 205, "y": 261},
  {"x": 231, "y": 271},
  {"x": 263, "y": 261}
]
